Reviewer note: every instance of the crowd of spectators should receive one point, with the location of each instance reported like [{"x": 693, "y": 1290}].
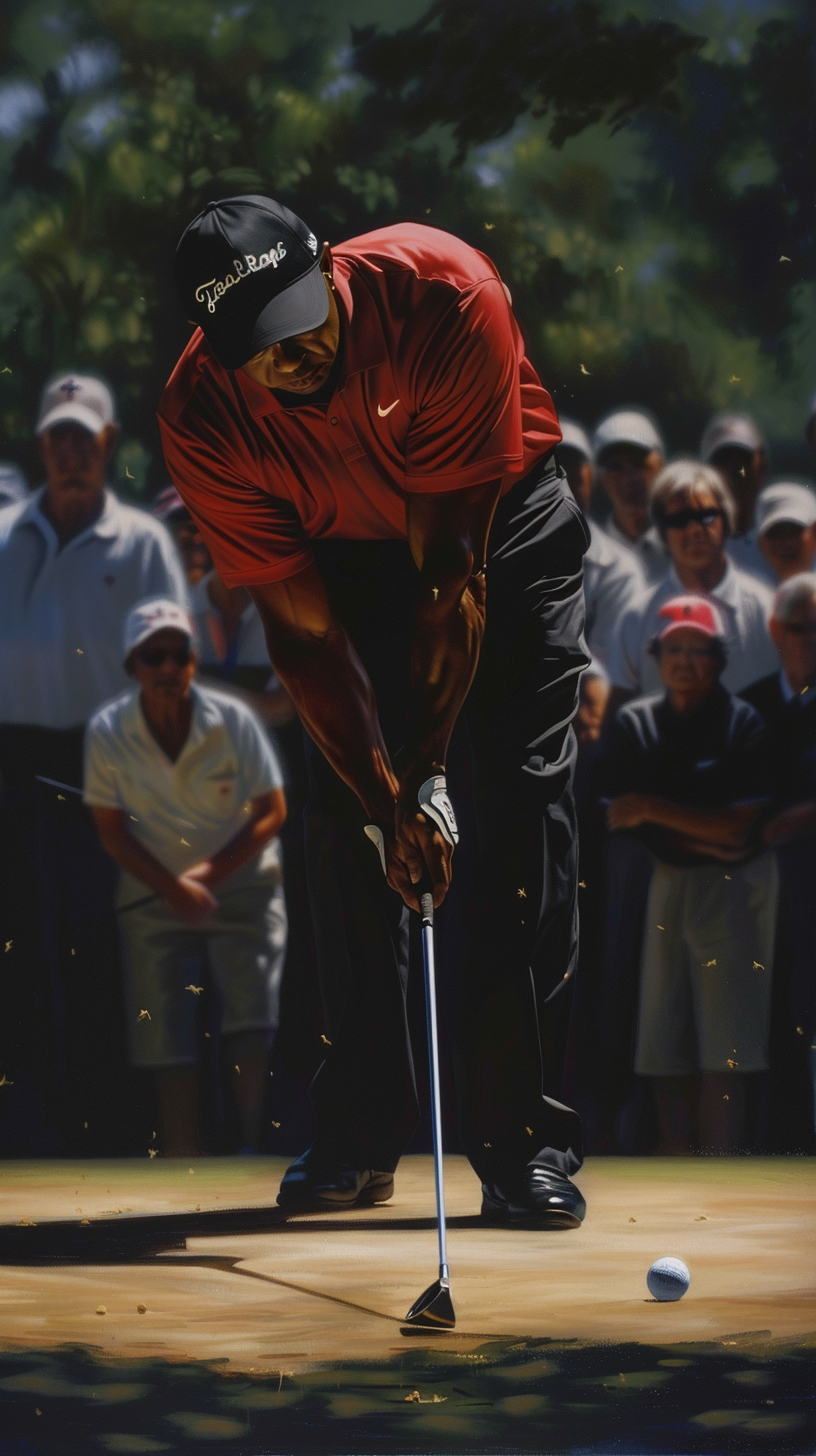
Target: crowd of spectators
[{"x": 148, "y": 755}]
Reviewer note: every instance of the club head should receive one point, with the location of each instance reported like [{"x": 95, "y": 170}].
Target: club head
[{"x": 434, "y": 1309}]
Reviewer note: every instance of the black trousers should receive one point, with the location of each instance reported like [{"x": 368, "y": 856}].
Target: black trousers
[{"x": 520, "y": 915}]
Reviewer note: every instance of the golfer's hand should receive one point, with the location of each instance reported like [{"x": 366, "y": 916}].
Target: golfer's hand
[
  {"x": 423, "y": 853},
  {"x": 628, "y": 811},
  {"x": 191, "y": 901}
]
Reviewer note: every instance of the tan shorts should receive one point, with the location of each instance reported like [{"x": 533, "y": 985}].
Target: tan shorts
[
  {"x": 242, "y": 948},
  {"x": 705, "y": 984}
]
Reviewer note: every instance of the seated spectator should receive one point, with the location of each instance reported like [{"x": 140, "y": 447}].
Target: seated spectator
[
  {"x": 693, "y": 511},
  {"x": 190, "y": 544},
  {"x": 786, "y": 529},
  {"x": 786, "y": 700},
  {"x": 732, "y": 444},
  {"x": 13, "y": 485},
  {"x": 232, "y": 648},
  {"x": 170, "y": 755},
  {"x": 629, "y": 455},
  {"x": 73, "y": 560},
  {"x": 612, "y": 573},
  {"x": 686, "y": 776}
]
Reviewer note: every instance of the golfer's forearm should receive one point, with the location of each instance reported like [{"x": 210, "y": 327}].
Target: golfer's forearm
[
  {"x": 335, "y": 702},
  {"x": 132, "y": 856},
  {"x": 728, "y": 827},
  {"x": 448, "y": 632}
]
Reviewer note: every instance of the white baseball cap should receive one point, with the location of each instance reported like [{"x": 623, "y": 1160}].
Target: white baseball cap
[
  {"x": 77, "y": 397},
  {"x": 575, "y": 437},
  {"x": 785, "y": 500},
  {"x": 153, "y": 615},
  {"x": 628, "y": 427},
  {"x": 738, "y": 430}
]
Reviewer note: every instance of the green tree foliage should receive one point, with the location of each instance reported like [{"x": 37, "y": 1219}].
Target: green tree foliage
[{"x": 635, "y": 190}]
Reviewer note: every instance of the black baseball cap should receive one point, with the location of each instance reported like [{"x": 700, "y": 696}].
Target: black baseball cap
[{"x": 248, "y": 271}]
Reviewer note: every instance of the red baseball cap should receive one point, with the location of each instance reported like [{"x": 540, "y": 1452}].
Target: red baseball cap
[{"x": 691, "y": 611}]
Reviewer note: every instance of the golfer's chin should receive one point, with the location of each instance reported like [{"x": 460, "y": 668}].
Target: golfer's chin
[{"x": 307, "y": 382}]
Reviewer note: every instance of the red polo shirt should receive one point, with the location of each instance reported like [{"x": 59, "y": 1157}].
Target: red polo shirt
[{"x": 435, "y": 395}]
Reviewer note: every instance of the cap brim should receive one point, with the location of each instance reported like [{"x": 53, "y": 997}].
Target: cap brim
[
  {"x": 672, "y": 627},
  {"x": 627, "y": 443},
  {"x": 788, "y": 516},
  {"x": 303, "y": 306},
  {"x": 153, "y": 631},
  {"x": 78, "y": 414}
]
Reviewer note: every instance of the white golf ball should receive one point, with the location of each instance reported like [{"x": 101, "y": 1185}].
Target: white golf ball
[{"x": 668, "y": 1279}]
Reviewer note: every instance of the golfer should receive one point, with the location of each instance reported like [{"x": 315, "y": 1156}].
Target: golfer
[{"x": 366, "y": 448}]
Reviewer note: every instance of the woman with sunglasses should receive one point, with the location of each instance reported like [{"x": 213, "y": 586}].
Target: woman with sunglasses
[
  {"x": 693, "y": 511},
  {"x": 187, "y": 796}
]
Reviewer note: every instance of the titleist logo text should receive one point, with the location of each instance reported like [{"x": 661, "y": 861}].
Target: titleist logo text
[{"x": 215, "y": 288}]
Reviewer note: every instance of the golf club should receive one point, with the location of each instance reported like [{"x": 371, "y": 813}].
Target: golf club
[{"x": 434, "y": 1308}]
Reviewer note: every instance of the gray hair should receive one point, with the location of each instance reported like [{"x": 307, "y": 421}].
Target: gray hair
[
  {"x": 683, "y": 476},
  {"x": 797, "y": 591}
]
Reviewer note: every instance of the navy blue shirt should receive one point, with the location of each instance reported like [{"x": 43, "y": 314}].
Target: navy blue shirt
[{"x": 709, "y": 758}]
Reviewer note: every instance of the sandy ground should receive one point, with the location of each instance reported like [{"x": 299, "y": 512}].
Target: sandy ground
[{"x": 324, "y": 1288}]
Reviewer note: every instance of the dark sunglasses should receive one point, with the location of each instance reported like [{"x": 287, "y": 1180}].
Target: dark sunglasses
[
  {"x": 801, "y": 629},
  {"x": 678, "y": 520},
  {"x": 157, "y": 656}
]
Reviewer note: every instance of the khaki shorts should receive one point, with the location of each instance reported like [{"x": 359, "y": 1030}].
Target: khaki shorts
[
  {"x": 242, "y": 948},
  {"x": 705, "y": 984}
]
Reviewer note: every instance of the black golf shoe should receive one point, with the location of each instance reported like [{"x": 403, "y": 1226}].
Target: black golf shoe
[
  {"x": 309, "y": 1186},
  {"x": 539, "y": 1199}
]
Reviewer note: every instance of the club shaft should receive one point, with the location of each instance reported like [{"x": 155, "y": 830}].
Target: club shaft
[{"x": 436, "y": 1101}]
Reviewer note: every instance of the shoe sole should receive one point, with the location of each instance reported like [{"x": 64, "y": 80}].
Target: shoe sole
[
  {"x": 554, "y": 1220},
  {"x": 373, "y": 1193}
]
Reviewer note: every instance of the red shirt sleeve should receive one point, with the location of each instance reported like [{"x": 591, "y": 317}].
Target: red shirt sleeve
[
  {"x": 253, "y": 536},
  {"x": 468, "y": 425}
]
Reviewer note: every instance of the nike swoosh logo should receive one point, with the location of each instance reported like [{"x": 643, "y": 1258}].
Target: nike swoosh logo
[{"x": 383, "y": 412}]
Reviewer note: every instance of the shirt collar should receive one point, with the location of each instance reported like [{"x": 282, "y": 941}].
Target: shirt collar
[
  {"x": 726, "y": 590},
  {"x": 790, "y": 695},
  {"x": 205, "y": 713},
  {"x": 364, "y": 345},
  {"x": 106, "y": 526}
]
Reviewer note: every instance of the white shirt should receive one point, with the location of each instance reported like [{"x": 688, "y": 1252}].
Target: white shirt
[
  {"x": 745, "y": 605},
  {"x": 185, "y": 811},
  {"x": 612, "y": 580},
  {"x": 249, "y": 650},
  {"x": 648, "y": 550},
  {"x": 745, "y": 553},
  {"x": 62, "y": 612}
]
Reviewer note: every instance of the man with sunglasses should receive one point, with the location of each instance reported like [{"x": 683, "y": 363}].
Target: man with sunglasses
[
  {"x": 693, "y": 510},
  {"x": 366, "y": 447},
  {"x": 187, "y": 796}
]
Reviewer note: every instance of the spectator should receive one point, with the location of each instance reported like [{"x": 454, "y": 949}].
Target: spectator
[
  {"x": 232, "y": 648},
  {"x": 593, "y": 698},
  {"x": 190, "y": 544},
  {"x": 686, "y": 776},
  {"x": 732, "y": 444},
  {"x": 786, "y": 530},
  {"x": 13, "y": 485},
  {"x": 693, "y": 510},
  {"x": 629, "y": 454},
  {"x": 73, "y": 560},
  {"x": 786, "y": 700},
  {"x": 612, "y": 573},
  {"x": 167, "y": 754}
]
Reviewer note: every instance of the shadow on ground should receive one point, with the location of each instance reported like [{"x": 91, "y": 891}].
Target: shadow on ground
[{"x": 741, "y": 1395}]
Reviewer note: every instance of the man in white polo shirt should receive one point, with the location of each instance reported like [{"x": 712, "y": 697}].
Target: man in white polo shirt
[
  {"x": 73, "y": 561},
  {"x": 613, "y": 575},
  {"x": 187, "y": 796},
  {"x": 629, "y": 453}
]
